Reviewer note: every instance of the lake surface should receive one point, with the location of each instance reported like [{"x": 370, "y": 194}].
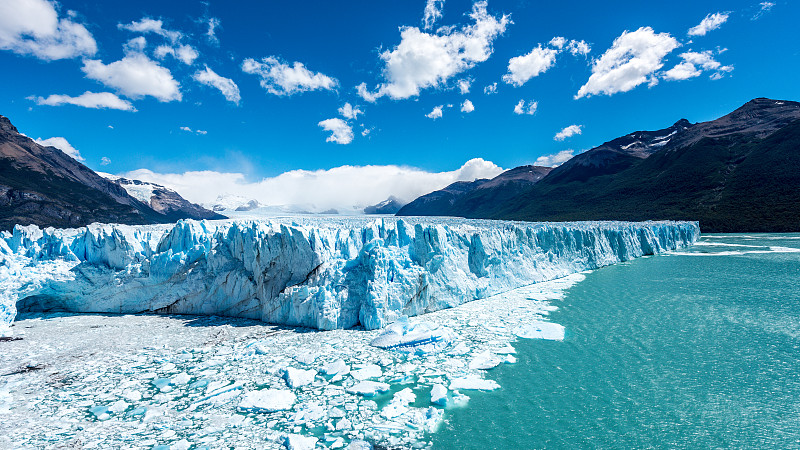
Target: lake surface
[{"x": 697, "y": 349}]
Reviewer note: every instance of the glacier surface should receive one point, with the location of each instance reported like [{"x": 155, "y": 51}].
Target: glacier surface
[{"x": 323, "y": 273}]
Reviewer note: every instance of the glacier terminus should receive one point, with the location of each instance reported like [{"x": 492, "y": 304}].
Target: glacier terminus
[{"x": 322, "y": 273}]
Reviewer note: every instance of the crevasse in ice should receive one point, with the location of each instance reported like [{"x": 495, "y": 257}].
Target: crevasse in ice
[{"x": 323, "y": 273}]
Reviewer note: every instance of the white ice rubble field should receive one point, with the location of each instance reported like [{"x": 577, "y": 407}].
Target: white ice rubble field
[
  {"x": 182, "y": 382},
  {"x": 179, "y": 382},
  {"x": 318, "y": 273}
]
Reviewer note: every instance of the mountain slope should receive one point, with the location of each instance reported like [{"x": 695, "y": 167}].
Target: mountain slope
[
  {"x": 163, "y": 200},
  {"x": 44, "y": 186},
  {"x": 472, "y": 196},
  {"x": 738, "y": 173}
]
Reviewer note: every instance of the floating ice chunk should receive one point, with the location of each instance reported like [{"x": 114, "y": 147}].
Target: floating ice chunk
[
  {"x": 268, "y": 400},
  {"x": 119, "y": 406},
  {"x": 300, "y": 442},
  {"x": 399, "y": 404},
  {"x": 507, "y": 350},
  {"x": 305, "y": 357},
  {"x": 183, "y": 444},
  {"x": 181, "y": 378},
  {"x": 338, "y": 367},
  {"x": 420, "y": 337},
  {"x": 162, "y": 384},
  {"x": 485, "y": 361},
  {"x": 439, "y": 395},
  {"x": 405, "y": 396},
  {"x": 296, "y": 378},
  {"x": 510, "y": 359},
  {"x": 132, "y": 395},
  {"x": 308, "y": 413},
  {"x": 100, "y": 412},
  {"x": 473, "y": 382},
  {"x": 459, "y": 349},
  {"x": 541, "y": 330},
  {"x": 343, "y": 424},
  {"x": 367, "y": 372},
  {"x": 359, "y": 445},
  {"x": 460, "y": 400},
  {"x": 368, "y": 388},
  {"x": 427, "y": 419}
]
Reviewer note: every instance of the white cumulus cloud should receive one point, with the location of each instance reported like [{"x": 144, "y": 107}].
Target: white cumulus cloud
[
  {"x": 341, "y": 131},
  {"x": 184, "y": 53},
  {"x": 349, "y": 111},
  {"x": 569, "y": 131},
  {"x": 61, "y": 144},
  {"x": 709, "y": 23},
  {"x": 541, "y": 59},
  {"x": 105, "y": 160},
  {"x": 280, "y": 78},
  {"x": 490, "y": 89},
  {"x": 528, "y": 108},
  {"x": 632, "y": 60},
  {"x": 554, "y": 160},
  {"x": 467, "y": 106},
  {"x": 338, "y": 188},
  {"x": 135, "y": 76},
  {"x": 433, "y": 12},
  {"x": 97, "y": 100},
  {"x": 187, "y": 129},
  {"x": 148, "y": 25},
  {"x": 765, "y": 8},
  {"x": 693, "y": 65},
  {"x": 464, "y": 85},
  {"x": 579, "y": 48},
  {"x": 523, "y": 68},
  {"x": 436, "y": 113},
  {"x": 426, "y": 60},
  {"x": 211, "y": 34},
  {"x": 226, "y": 86},
  {"x": 33, "y": 27}
]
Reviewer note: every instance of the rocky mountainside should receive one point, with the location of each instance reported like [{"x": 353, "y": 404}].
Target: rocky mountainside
[
  {"x": 471, "y": 196},
  {"x": 740, "y": 172},
  {"x": 44, "y": 186},
  {"x": 389, "y": 206},
  {"x": 163, "y": 200}
]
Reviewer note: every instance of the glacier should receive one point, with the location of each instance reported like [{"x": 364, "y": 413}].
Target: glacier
[{"x": 324, "y": 273}]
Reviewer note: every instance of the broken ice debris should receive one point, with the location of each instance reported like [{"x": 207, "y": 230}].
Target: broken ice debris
[
  {"x": 541, "y": 330},
  {"x": 267, "y": 400},
  {"x": 368, "y": 388},
  {"x": 439, "y": 395},
  {"x": 473, "y": 382},
  {"x": 296, "y": 378},
  {"x": 420, "y": 337},
  {"x": 300, "y": 442}
]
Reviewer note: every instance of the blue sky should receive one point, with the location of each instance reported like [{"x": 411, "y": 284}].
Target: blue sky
[{"x": 280, "y": 72}]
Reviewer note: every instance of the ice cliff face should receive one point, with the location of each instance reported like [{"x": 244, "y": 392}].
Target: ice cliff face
[{"x": 318, "y": 273}]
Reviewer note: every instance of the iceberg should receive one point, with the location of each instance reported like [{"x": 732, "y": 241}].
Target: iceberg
[
  {"x": 324, "y": 273},
  {"x": 267, "y": 400},
  {"x": 421, "y": 337}
]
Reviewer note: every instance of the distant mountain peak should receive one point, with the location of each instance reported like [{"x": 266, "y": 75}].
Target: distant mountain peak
[{"x": 6, "y": 126}]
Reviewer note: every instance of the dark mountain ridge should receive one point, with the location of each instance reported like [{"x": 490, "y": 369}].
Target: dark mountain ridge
[
  {"x": 44, "y": 186},
  {"x": 740, "y": 172},
  {"x": 473, "y": 194}
]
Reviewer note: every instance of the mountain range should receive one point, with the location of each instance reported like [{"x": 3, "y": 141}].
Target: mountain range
[
  {"x": 44, "y": 186},
  {"x": 740, "y": 172}
]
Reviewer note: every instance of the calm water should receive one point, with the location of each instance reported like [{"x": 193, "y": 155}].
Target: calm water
[{"x": 678, "y": 351}]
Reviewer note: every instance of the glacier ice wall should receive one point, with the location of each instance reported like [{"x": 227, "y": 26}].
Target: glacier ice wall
[{"x": 321, "y": 273}]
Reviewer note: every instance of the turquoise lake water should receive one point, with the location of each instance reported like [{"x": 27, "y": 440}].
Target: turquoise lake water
[{"x": 692, "y": 350}]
